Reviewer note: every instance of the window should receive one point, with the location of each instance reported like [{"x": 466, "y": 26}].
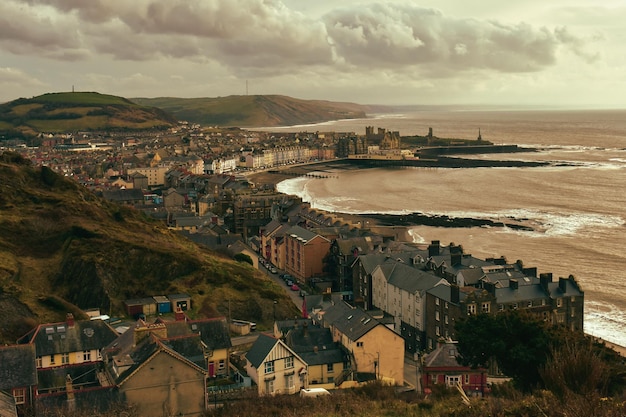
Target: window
[
  {"x": 486, "y": 307},
  {"x": 65, "y": 358},
  {"x": 269, "y": 367},
  {"x": 446, "y": 305},
  {"x": 20, "y": 395},
  {"x": 437, "y": 315},
  {"x": 38, "y": 362},
  {"x": 289, "y": 362},
  {"x": 471, "y": 309},
  {"x": 530, "y": 304},
  {"x": 330, "y": 367},
  {"x": 436, "y": 301},
  {"x": 445, "y": 319},
  {"x": 559, "y": 302},
  {"x": 289, "y": 382},
  {"x": 51, "y": 359},
  {"x": 467, "y": 379},
  {"x": 269, "y": 386},
  {"x": 222, "y": 365},
  {"x": 453, "y": 380},
  {"x": 86, "y": 355},
  {"x": 500, "y": 307},
  {"x": 437, "y": 331},
  {"x": 359, "y": 344}
]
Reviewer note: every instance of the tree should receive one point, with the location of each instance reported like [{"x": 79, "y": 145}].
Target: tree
[
  {"x": 518, "y": 341},
  {"x": 242, "y": 257}
]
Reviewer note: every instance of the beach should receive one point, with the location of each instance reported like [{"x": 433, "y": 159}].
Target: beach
[{"x": 400, "y": 225}]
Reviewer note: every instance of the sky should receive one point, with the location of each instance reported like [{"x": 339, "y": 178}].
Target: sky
[{"x": 557, "y": 53}]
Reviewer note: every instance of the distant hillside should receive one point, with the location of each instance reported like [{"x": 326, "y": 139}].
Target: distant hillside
[
  {"x": 82, "y": 111},
  {"x": 254, "y": 111},
  {"x": 63, "y": 248}
]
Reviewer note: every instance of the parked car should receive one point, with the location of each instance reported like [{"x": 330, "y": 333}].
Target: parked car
[
  {"x": 294, "y": 287},
  {"x": 274, "y": 270},
  {"x": 289, "y": 282}
]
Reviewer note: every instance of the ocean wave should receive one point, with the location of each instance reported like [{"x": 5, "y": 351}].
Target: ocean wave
[{"x": 606, "y": 321}]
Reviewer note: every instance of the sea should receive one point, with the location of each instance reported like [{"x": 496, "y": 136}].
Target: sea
[{"x": 576, "y": 205}]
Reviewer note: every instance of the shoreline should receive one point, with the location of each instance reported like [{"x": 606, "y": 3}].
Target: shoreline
[{"x": 386, "y": 224}]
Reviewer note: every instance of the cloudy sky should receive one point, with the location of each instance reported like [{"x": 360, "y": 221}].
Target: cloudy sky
[{"x": 530, "y": 52}]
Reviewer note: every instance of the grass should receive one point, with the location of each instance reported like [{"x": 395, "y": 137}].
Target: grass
[{"x": 82, "y": 98}]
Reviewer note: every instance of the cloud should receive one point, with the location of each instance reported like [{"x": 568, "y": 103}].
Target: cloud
[
  {"x": 265, "y": 38},
  {"x": 24, "y": 30},
  {"x": 388, "y": 35},
  {"x": 11, "y": 78}
]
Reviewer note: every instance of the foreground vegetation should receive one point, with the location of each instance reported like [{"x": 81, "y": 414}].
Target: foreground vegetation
[
  {"x": 64, "y": 249},
  {"x": 376, "y": 400}
]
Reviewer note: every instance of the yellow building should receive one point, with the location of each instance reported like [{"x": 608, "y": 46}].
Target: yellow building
[
  {"x": 70, "y": 342},
  {"x": 373, "y": 347},
  {"x": 274, "y": 367}
]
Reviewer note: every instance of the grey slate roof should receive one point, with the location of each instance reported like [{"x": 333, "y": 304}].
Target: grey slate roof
[
  {"x": 17, "y": 366},
  {"x": 260, "y": 349},
  {"x": 443, "y": 292},
  {"x": 523, "y": 293},
  {"x": 314, "y": 345},
  {"x": 304, "y": 234},
  {"x": 443, "y": 357},
  {"x": 213, "y": 332},
  {"x": 371, "y": 261},
  {"x": 351, "y": 321},
  {"x": 407, "y": 278},
  {"x": 56, "y": 338}
]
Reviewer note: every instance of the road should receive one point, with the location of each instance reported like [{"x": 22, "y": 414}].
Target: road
[
  {"x": 293, "y": 295},
  {"x": 410, "y": 371}
]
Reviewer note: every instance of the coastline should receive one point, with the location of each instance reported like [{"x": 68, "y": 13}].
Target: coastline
[{"x": 395, "y": 225}]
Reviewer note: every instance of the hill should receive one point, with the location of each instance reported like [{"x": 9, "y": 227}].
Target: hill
[
  {"x": 254, "y": 111},
  {"x": 81, "y": 111},
  {"x": 62, "y": 249}
]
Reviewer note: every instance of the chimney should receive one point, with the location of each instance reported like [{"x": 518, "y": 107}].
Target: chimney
[
  {"x": 563, "y": 284},
  {"x": 454, "y": 294},
  {"x": 455, "y": 258},
  {"x": 513, "y": 284},
  {"x": 545, "y": 279},
  {"x": 69, "y": 318},
  {"x": 490, "y": 287},
  {"x": 433, "y": 248}
]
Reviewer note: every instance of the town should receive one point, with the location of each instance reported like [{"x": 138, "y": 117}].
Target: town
[{"x": 374, "y": 306}]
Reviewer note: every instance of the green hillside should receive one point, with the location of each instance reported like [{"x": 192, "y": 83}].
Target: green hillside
[
  {"x": 81, "y": 111},
  {"x": 254, "y": 111},
  {"x": 62, "y": 249}
]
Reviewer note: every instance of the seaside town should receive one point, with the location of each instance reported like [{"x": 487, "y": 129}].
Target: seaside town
[{"x": 374, "y": 306}]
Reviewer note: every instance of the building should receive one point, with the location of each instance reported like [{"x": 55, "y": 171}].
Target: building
[
  {"x": 70, "y": 342},
  {"x": 441, "y": 367},
  {"x": 158, "y": 375},
  {"x": 275, "y": 367},
  {"x": 326, "y": 360},
  {"x": 304, "y": 253},
  {"x": 400, "y": 291},
  {"x": 373, "y": 348},
  {"x": 18, "y": 377}
]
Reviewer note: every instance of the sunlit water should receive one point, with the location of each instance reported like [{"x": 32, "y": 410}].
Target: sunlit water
[{"x": 577, "y": 210}]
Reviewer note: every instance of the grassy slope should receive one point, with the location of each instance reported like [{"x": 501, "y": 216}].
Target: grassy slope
[
  {"x": 64, "y": 112},
  {"x": 259, "y": 110},
  {"x": 62, "y": 247}
]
